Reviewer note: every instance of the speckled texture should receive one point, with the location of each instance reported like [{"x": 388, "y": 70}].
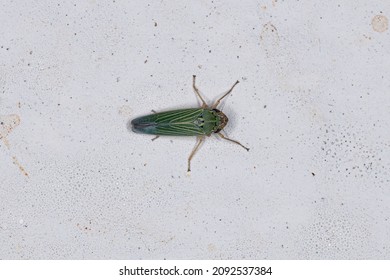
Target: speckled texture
[{"x": 313, "y": 104}]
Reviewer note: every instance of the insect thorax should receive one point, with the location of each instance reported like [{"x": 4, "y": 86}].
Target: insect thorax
[{"x": 211, "y": 121}]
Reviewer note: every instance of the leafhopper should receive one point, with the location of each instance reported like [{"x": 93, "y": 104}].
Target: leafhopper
[{"x": 199, "y": 122}]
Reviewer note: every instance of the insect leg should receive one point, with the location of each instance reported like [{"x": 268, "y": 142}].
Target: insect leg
[
  {"x": 199, "y": 139},
  {"x": 153, "y": 111},
  {"x": 219, "y": 100},
  {"x": 204, "y": 104},
  {"x": 231, "y": 140},
  {"x": 155, "y": 137}
]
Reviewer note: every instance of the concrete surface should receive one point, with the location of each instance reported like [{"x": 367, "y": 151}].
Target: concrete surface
[{"x": 313, "y": 105}]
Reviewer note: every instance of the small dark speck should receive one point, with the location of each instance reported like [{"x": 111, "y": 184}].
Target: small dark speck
[
  {"x": 209, "y": 51},
  {"x": 265, "y": 106},
  {"x": 313, "y": 174},
  {"x": 145, "y": 61},
  {"x": 30, "y": 52},
  {"x": 155, "y": 24},
  {"x": 1, "y": 123}
]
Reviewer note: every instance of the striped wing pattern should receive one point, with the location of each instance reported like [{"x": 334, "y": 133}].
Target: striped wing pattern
[{"x": 178, "y": 122}]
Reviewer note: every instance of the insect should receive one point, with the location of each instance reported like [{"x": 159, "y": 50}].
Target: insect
[{"x": 199, "y": 122}]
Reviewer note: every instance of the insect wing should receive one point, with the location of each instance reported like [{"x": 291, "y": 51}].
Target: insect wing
[{"x": 178, "y": 122}]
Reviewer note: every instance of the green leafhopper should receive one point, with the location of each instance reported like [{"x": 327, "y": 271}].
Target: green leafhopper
[{"x": 199, "y": 122}]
